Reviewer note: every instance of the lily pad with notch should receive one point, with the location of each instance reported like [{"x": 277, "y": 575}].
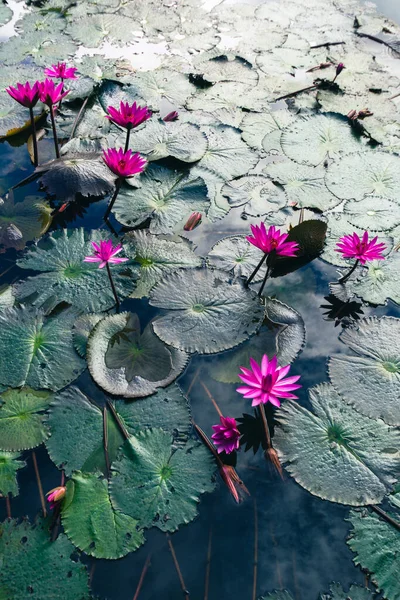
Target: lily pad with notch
[{"x": 10, "y": 464}]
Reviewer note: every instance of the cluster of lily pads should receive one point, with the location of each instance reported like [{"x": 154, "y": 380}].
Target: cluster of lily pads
[{"x": 132, "y": 456}]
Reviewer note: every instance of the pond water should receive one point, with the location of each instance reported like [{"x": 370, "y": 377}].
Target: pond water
[{"x": 282, "y": 162}]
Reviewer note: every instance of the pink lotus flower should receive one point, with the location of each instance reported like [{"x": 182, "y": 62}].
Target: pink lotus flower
[
  {"x": 128, "y": 116},
  {"x": 193, "y": 221},
  {"x": 172, "y": 116},
  {"x": 61, "y": 71},
  {"x": 104, "y": 253},
  {"x": 266, "y": 382},
  {"x": 351, "y": 246},
  {"x": 123, "y": 164},
  {"x": 25, "y": 94},
  {"x": 50, "y": 93},
  {"x": 271, "y": 241},
  {"x": 55, "y": 495},
  {"x": 226, "y": 436}
]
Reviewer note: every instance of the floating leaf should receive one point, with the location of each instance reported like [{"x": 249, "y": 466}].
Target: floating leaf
[
  {"x": 237, "y": 256},
  {"x": 380, "y": 282},
  {"x": 82, "y": 328},
  {"x": 9, "y": 465},
  {"x": 207, "y": 312},
  {"x": 283, "y": 334},
  {"x": 370, "y": 381},
  {"x": 65, "y": 277},
  {"x": 167, "y": 197},
  {"x": 43, "y": 47},
  {"x": 227, "y": 155},
  {"x": 377, "y": 547},
  {"x": 92, "y": 30},
  {"x": 22, "y": 222},
  {"x": 158, "y": 484},
  {"x": 5, "y": 14},
  {"x": 30, "y": 559},
  {"x": 334, "y": 452},
  {"x": 93, "y": 524},
  {"x": 157, "y": 256},
  {"x": 162, "y": 83},
  {"x": 14, "y": 118},
  {"x": 262, "y": 131},
  {"x": 226, "y": 68},
  {"x": 356, "y": 592},
  {"x": 356, "y": 175},
  {"x": 113, "y": 380},
  {"x": 373, "y": 213},
  {"x": 314, "y": 139},
  {"x": 282, "y": 595},
  {"x": 37, "y": 351},
  {"x": 22, "y": 419},
  {"x": 257, "y": 193}
]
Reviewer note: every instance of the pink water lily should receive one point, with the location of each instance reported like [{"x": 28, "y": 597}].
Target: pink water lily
[
  {"x": 123, "y": 164},
  {"x": 55, "y": 495},
  {"x": 226, "y": 436},
  {"x": 105, "y": 253},
  {"x": 351, "y": 246},
  {"x": 25, "y": 94},
  {"x": 61, "y": 71},
  {"x": 267, "y": 382},
  {"x": 128, "y": 115},
  {"x": 50, "y": 93},
  {"x": 193, "y": 221},
  {"x": 172, "y": 116},
  {"x": 271, "y": 241}
]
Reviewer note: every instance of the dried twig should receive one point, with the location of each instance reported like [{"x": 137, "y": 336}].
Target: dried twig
[
  {"x": 207, "y": 391},
  {"x": 326, "y": 45},
  {"x": 8, "y": 506},
  {"x": 195, "y": 376},
  {"x": 39, "y": 484},
  {"x": 78, "y": 116},
  {"x": 142, "y": 576},
  {"x": 177, "y": 567},
  {"x": 118, "y": 420}
]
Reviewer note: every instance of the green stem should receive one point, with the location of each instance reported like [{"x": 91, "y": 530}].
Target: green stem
[
  {"x": 258, "y": 267},
  {"x": 34, "y": 138},
  {"x": 53, "y": 124},
  {"x": 128, "y": 135},
  {"x": 78, "y": 116},
  {"x": 353, "y": 268},
  {"x": 260, "y": 291},
  {"x": 113, "y": 199},
  {"x": 113, "y": 286}
]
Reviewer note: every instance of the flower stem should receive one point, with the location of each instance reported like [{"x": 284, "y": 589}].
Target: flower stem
[
  {"x": 258, "y": 267},
  {"x": 34, "y": 138},
  {"x": 260, "y": 291},
  {"x": 128, "y": 135},
  {"x": 113, "y": 286},
  {"x": 78, "y": 116},
  {"x": 62, "y": 91},
  {"x": 261, "y": 412},
  {"x": 39, "y": 484},
  {"x": 353, "y": 268},
  {"x": 113, "y": 199},
  {"x": 53, "y": 124}
]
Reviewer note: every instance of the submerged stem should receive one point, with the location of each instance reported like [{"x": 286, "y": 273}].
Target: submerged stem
[
  {"x": 53, "y": 124},
  {"x": 177, "y": 567},
  {"x": 34, "y": 138},
  {"x": 353, "y": 268},
  {"x": 113, "y": 286},
  {"x": 144, "y": 571},
  {"x": 39, "y": 484},
  {"x": 258, "y": 267},
  {"x": 207, "y": 391},
  {"x": 261, "y": 412},
  {"x": 113, "y": 199}
]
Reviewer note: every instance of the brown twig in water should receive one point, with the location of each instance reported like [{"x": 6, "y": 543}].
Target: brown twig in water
[
  {"x": 208, "y": 566},
  {"x": 105, "y": 440},
  {"x": 386, "y": 517},
  {"x": 255, "y": 564},
  {"x": 326, "y": 45},
  {"x": 207, "y": 391},
  {"x": 296, "y": 93},
  {"x": 195, "y": 376},
  {"x": 78, "y": 116},
  {"x": 39, "y": 484},
  {"x": 177, "y": 567},
  {"x": 142, "y": 576},
  {"x": 8, "y": 506},
  {"x": 118, "y": 420},
  {"x": 376, "y": 39}
]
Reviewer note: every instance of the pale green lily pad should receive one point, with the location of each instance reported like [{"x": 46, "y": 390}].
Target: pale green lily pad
[
  {"x": 361, "y": 174},
  {"x": 207, "y": 312},
  {"x": 304, "y": 185},
  {"x": 152, "y": 86},
  {"x": 14, "y": 118},
  {"x": 373, "y": 213},
  {"x": 5, "y": 14},
  {"x": 82, "y": 328},
  {"x": 22, "y": 222},
  {"x": 29, "y": 560},
  {"x": 43, "y": 47},
  {"x": 257, "y": 192},
  {"x": 22, "y": 419},
  {"x": 314, "y": 139},
  {"x": 227, "y": 154},
  {"x": 376, "y": 544},
  {"x": 262, "y": 131},
  {"x": 334, "y": 452},
  {"x": 236, "y": 255},
  {"x": 165, "y": 196},
  {"x": 281, "y": 595},
  {"x": 283, "y": 334},
  {"x": 37, "y": 351},
  {"x": 158, "y": 140},
  {"x": 113, "y": 380},
  {"x": 92, "y": 30},
  {"x": 10, "y": 464},
  {"x": 158, "y": 484},
  {"x": 79, "y": 88},
  {"x": 227, "y": 68},
  {"x": 93, "y": 524},
  {"x": 356, "y": 592},
  {"x": 370, "y": 381},
  {"x": 7, "y": 298},
  {"x": 229, "y": 95},
  {"x": 65, "y": 277},
  {"x": 112, "y": 94},
  {"x": 156, "y": 256},
  {"x": 380, "y": 282}
]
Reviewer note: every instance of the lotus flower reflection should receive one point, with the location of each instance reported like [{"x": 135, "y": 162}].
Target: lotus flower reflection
[
  {"x": 362, "y": 249},
  {"x": 105, "y": 254},
  {"x": 267, "y": 382},
  {"x": 226, "y": 436}
]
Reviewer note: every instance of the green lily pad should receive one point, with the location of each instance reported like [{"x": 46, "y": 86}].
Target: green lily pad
[
  {"x": 262, "y": 131},
  {"x": 114, "y": 380},
  {"x": 283, "y": 334},
  {"x": 259, "y": 195},
  {"x": 334, "y": 452},
  {"x": 82, "y": 328},
  {"x": 376, "y": 544},
  {"x": 356, "y": 592},
  {"x": 165, "y": 196},
  {"x": 206, "y": 311},
  {"x": 236, "y": 255},
  {"x": 22, "y": 419},
  {"x": 92, "y": 30},
  {"x": 37, "y": 351},
  {"x": 22, "y": 222},
  {"x": 93, "y": 524},
  {"x": 79, "y": 88},
  {"x": 370, "y": 381},
  {"x": 373, "y": 213},
  {"x": 227, "y": 154},
  {"x": 380, "y": 282},
  {"x": 9, "y": 465},
  {"x": 281, "y": 595},
  {"x": 158, "y": 484},
  {"x": 314, "y": 139},
  {"x": 44, "y": 47},
  {"x": 29, "y": 560},
  {"x": 64, "y": 277},
  {"x": 14, "y": 118},
  {"x": 228, "y": 95},
  {"x": 152, "y": 86},
  {"x": 156, "y": 256},
  {"x": 227, "y": 68},
  {"x": 5, "y": 14}
]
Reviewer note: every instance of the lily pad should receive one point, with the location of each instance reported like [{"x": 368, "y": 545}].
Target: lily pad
[
  {"x": 92, "y": 30},
  {"x": 314, "y": 139},
  {"x": 206, "y": 311},
  {"x": 152, "y": 86},
  {"x": 14, "y": 118},
  {"x": 227, "y": 68},
  {"x": 114, "y": 380},
  {"x": 156, "y": 256},
  {"x": 262, "y": 131},
  {"x": 167, "y": 197},
  {"x": 37, "y": 351},
  {"x": 93, "y": 524},
  {"x": 64, "y": 277},
  {"x": 370, "y": 381},
  {"x": 281, "y": 595},
  {"x": 236, "y": 255},
  {"x": 356, "y": 592},
  {"x": 257, "y": 192},
  {"x": 5, "y": 14},
  {"x": 376, "y": 544},
  {"x": 373, "y": 213},
  {"x": 82, "y": 328},
  {"x": 22, "y": 222},
  {"x": 22, "y": 419},
  {"x": 380, "y": 282},
  {"x": 10, "y": 463},
  {"x": 29, "y": 560},
  {"x": 158, "y": 484},
  {"x": 334, "y": 452},
  {"x": 44, "y": 47}
]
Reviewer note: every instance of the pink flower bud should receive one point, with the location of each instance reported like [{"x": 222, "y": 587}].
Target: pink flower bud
[
  {"x": 339, "y": 68},
  {"x": 193, "y": 221},
  {"x": 55, "y": 495},
  {"x": 172, "y": 116}
]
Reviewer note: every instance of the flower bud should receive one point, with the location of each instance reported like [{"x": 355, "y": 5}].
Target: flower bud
[
  {"x": 172, "y": 116},
  {"x": 193, "y": 221},
  {"x": 55, "y": 495},
  {"x": 339, "y": 68}
]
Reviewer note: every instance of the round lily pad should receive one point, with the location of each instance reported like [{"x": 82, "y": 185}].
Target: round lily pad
[
  {"x": 10, "y": 464},
  {"x": 162, "y": 83},
  {"x": 262, "y": 131},
  {"x": 207, "y": 312},
  {"x": 82, "y": 328},
  {"x": 258, "y": 194},
  {"x": 356, "y": 592},
  {"x": 92, "y": 30},
  {"x": 236, "y": 255},
  {"x": 334, "y": 452},
  {"x": 380, "y": 282},
  {"x": 158, "y": 484},
  {"x": 373, "y": 213}
]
